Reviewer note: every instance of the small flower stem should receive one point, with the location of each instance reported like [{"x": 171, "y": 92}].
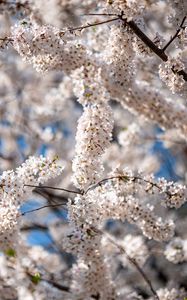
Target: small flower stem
[{"x": 92, "y": 24}]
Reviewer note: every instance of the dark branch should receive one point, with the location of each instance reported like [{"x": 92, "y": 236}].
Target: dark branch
[
  {"x": 131, "y": 260},
  {"x": 159, "y": 52},
  {"x": 41, "y": 207},
  {"x": 52, "y": 282},
  {"x": 33, "y": 227},
  {"x": 53, "y": 188},
  {"x": 175, "y": 35},
  {"x": 58, "y": 286},
  {"x": 141, "y": 271},
  {"x": 142, "y": 36},
  {"x": 134, "y": 179},
  {"x": 46, "y": 194},
  {"x": 92, "y": 24}
]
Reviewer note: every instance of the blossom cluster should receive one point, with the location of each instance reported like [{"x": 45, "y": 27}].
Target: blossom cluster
[
  {"x": 119, "y": 59},
  {"x": 16, "y": 186},
  {"x": 131, "y": 9},
  {"x": 169, "y": 74},
  {"x": 176, "y": 250},
  {"x": 45, "y": 47},
  {"x": 94, "y": 130},
  {"x": 93, "y": 137},
  {"x": 97, "y": 83}
]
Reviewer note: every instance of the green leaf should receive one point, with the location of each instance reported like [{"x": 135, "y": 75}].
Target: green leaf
[
  {"x": 10, "y": 252},
  {"x": 36, "y": 278}
]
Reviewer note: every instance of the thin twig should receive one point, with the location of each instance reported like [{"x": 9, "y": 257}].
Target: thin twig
[
  {"x": 53, "y": 188},
  {"x": 131, "y": 260},
  {"x": 41, "y": 207},
  {"x": 164, "y": 139},
  {"x": 136, "y": 265},
  {"x": 128, "y": 178},
  {"x": 92, "y": 24},
  {"x": 175, "y": 35},
  {"x": 34, "y": 227},
  {"x": 104, "y": 15},
  {"x": 143, "y": 274},
  {"x": 46, "y": 194},
  {"x": 6, "y": 39},
  {"x": 102, "y": 182},
  {"x": 57, "y": 285},
  {"x": 52, "y": 282}
]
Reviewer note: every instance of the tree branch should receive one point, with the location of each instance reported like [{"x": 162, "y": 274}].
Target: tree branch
[
  {"x": 41, "y": 207},
  {"x": 50, "y": 281},
  {"x": 57, "y": 285},
  {"x": 130, "y": 259},
  {"x": 53, "y": 188},
  {"x": 46, "y": 194},
  {"x": 175, "y": 35},
  {"x": 142, "y": 36},
  {"x": 99, "y": 183},
  {"x": 92, "y": 24},
  {"x": 132, "y": 178}
]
